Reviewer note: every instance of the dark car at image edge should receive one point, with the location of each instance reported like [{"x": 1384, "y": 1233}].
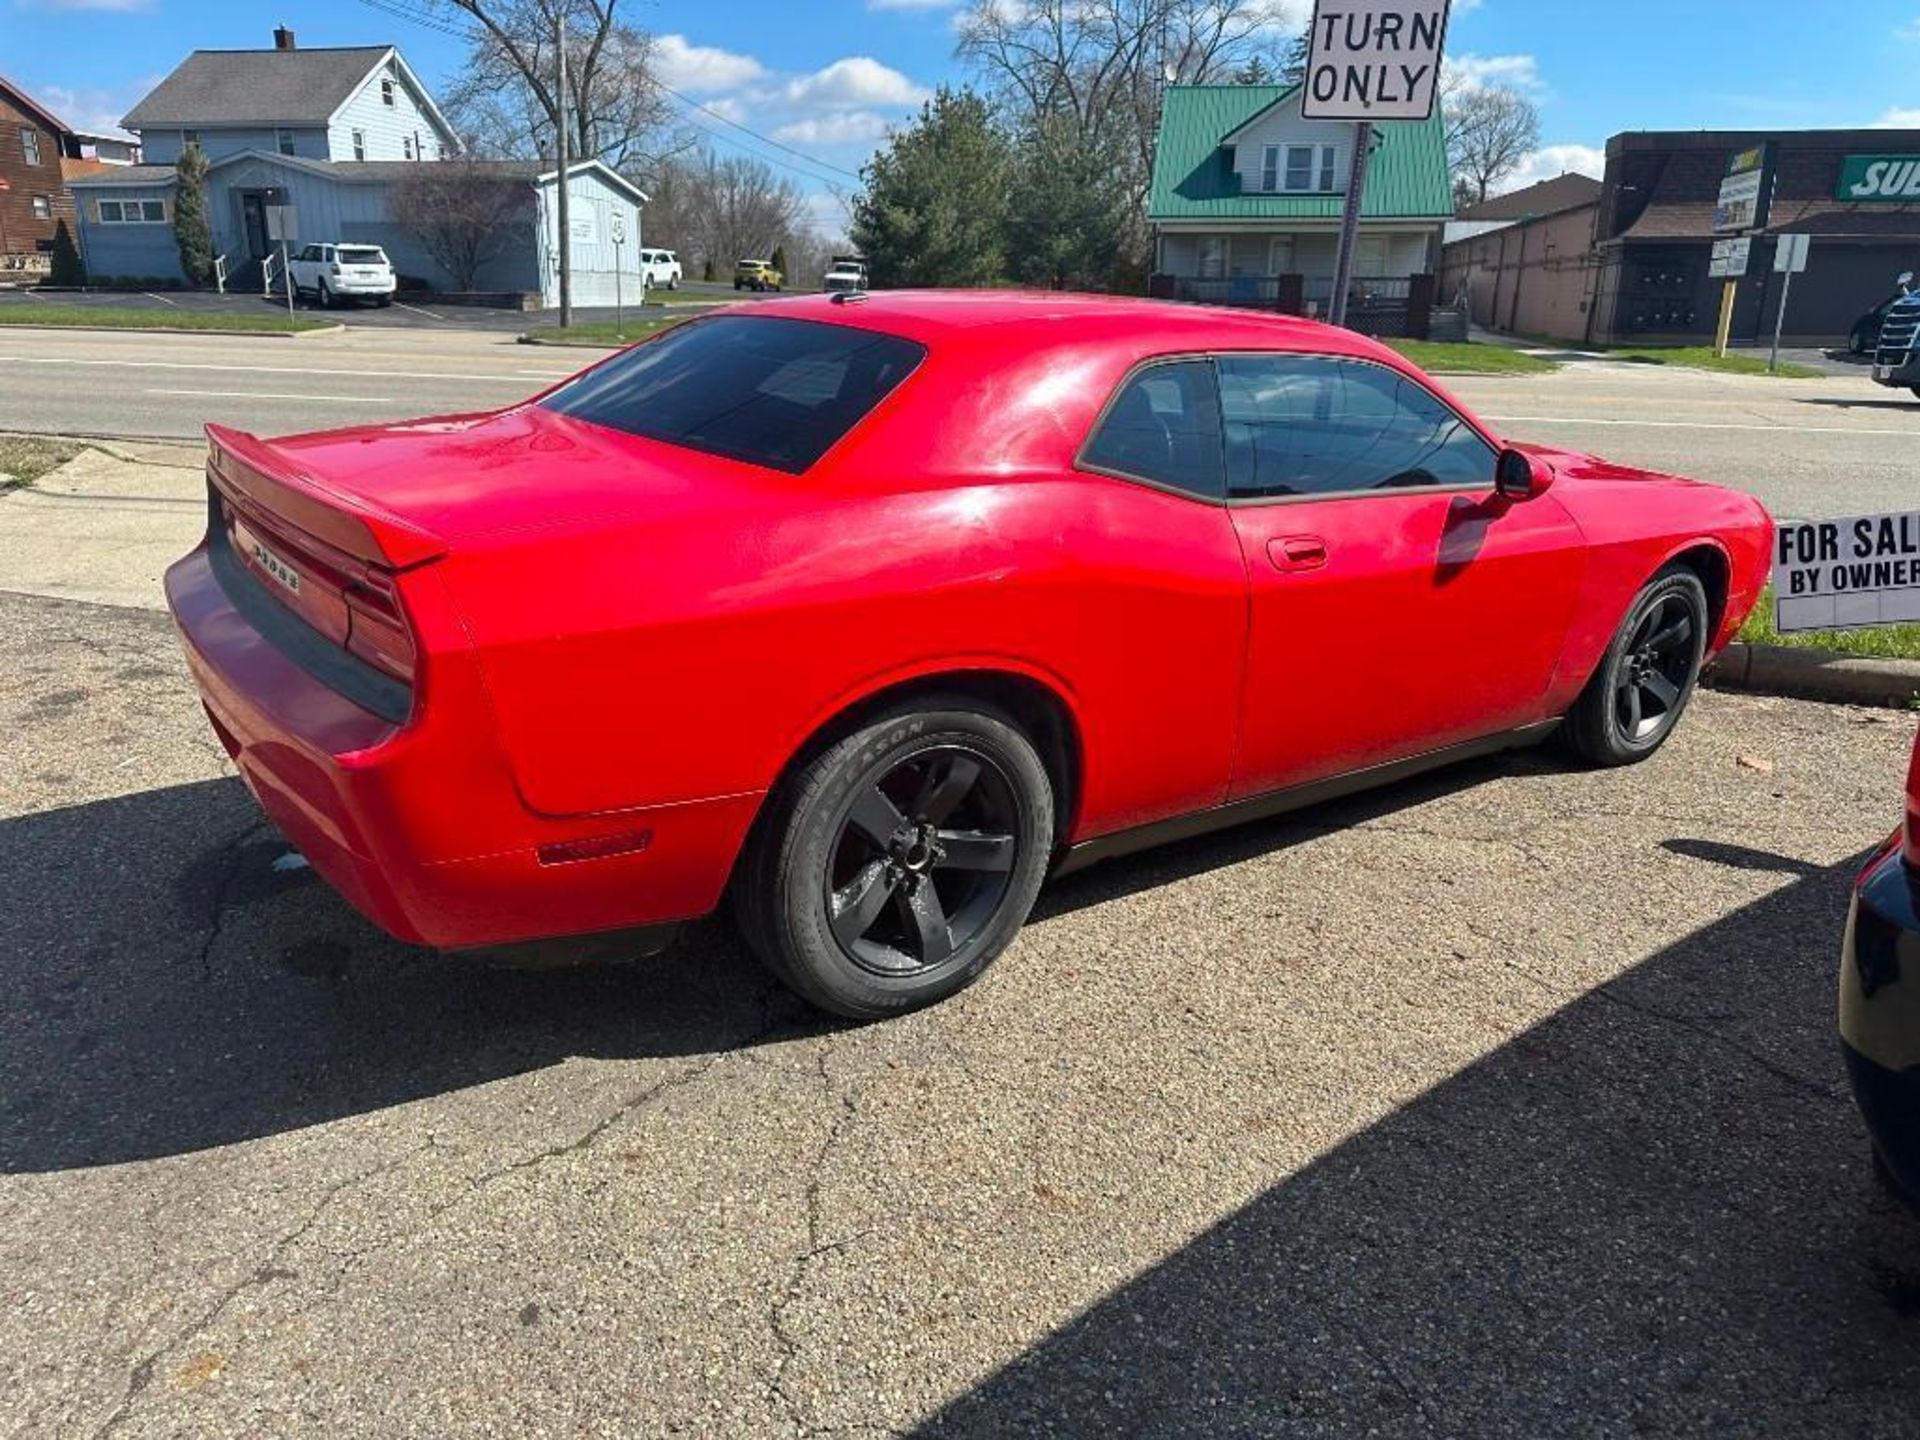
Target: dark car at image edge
[{"x": 1880, "y": 999}]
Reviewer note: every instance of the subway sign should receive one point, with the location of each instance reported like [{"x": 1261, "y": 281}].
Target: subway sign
[{"x": 1880, "y": 179}]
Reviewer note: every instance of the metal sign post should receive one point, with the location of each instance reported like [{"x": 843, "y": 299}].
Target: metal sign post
[
  {"x": 1789, "y": 259},
  {"x": 618, "y": 234},
  {"x": 1369, "y": 60}
]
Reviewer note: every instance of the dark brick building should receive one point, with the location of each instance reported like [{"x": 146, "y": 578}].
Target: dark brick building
[{"x": 1654, "y": 233}]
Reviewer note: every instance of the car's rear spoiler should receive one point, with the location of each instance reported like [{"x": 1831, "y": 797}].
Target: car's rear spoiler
[{"x": 267, "y": 476}]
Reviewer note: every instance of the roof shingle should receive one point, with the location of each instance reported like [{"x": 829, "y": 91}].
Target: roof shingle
[{"x": 256, "y": 87}]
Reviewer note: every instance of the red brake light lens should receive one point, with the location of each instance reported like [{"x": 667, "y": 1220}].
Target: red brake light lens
[{"x": 377, "y": 630}]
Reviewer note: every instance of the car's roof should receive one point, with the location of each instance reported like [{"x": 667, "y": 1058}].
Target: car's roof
[{"x": 1065, "y": 317}]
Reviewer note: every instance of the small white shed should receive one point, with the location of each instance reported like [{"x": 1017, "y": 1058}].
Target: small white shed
[{"x": 604, "y": 216}]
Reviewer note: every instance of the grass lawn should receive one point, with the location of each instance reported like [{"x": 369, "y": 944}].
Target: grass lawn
[
  {"x": 130, "y": 319},
  {"x": 1701, "y": 357},
  {"x": 1471, "y": 359},
  {"x": 25, "y": 458},
  {"x": 1890, "y": 642},
  {"x": 603, "y": 333}
]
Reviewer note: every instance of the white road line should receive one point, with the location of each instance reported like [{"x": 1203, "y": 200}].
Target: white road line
[
  {"x": 161, "y": 298},
  {"x": 418, "y": 311},
  {"x": 1781, "y": 430},
  {"x": 363, "y": 373},
  {"x": 271, "y": 395}
]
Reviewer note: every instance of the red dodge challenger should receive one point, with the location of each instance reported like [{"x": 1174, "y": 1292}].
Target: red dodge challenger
[{"x": 862, "y": 614}]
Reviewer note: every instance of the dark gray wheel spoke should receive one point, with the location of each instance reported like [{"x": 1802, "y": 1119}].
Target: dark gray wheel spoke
[
  {"x": 1678, "y": 633},
  {"x": 929, "y": 918},
  {"x": 875, "y": 816},
  {"x": 940, "y": 797},
  {"x": 1662, "y": 689},
  {"x": 858, "y": 904},
  {"x": 973, "y": 850},
  {"x": 1634, "y": 714}
]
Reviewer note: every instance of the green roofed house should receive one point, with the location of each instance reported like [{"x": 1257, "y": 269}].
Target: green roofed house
[{"x": 1246, "y": 201}]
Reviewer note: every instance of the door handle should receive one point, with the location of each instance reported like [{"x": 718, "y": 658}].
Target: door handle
[{"x": 1297, "y": 552}]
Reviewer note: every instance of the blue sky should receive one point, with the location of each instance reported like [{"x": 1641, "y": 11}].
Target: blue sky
[{"x": 826, "y": 77}]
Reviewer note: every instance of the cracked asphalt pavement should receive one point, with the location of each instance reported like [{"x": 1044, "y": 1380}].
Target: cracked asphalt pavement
[{"x": 1503, "y": 1103}]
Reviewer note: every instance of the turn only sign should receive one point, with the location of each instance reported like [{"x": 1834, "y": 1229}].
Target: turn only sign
[
  {"x": 1374, "y": 59},
  {"x": 1833, "y": 574}
]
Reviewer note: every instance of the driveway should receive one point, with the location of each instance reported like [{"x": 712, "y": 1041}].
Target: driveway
[{"x": 1504, "y": 1103}]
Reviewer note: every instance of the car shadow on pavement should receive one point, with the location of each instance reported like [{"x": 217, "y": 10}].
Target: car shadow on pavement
[
  {"x": 1650, "y": 1213},
  {"x": 169, "y": 990},
  {"x": 1908, "y": 407}
]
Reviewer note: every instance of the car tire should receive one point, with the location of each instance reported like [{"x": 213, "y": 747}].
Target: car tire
[
  {"x": 898, "y": 863},
  {"x": 325, "y": 295},
  {"x": 1641, "y": 688},
  {"x": 383, "y": 301},
  {"x": 673, "y": 282}
]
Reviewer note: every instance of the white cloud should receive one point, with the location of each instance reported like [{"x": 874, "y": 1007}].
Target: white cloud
[
  {"x": 1550, "y": 161},
  {"x": 843, "y": 127},
  {"x": 1908, "y": 31},
  {"x": 1898, "y": 119},
  {"x": 93, "y": 110},
  {"x": 702, "y": 69},
  {"x": 1472, "y": 72},
  {"x": 911, "y": 4},
  {"x": 855, "y": 82}
]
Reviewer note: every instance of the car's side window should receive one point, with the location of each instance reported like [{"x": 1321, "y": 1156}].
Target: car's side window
[
  {"x": 1163, "y": 426},
  {"x": 1323, "y": 425}
]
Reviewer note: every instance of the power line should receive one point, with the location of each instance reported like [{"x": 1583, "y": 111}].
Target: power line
[{"x": 460, "y": 32}]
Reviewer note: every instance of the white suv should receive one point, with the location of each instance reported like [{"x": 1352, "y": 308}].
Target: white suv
[
  {"x": 660, "y": 269},
  {"x": 331, "y": 273}
]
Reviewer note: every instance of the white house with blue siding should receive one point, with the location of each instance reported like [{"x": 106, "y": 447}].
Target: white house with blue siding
[{"x": 326, "y": 132}]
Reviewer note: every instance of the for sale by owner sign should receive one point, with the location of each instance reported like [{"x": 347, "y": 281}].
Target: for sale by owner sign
[
  {"x": 1374, "y": 59},
  {"x": 1837, "y": 574}
]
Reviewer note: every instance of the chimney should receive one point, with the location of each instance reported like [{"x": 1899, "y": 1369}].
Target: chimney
[{"x": 282, "y": 38}]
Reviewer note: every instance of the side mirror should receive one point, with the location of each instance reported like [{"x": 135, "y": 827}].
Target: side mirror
[
  {"x": 1906, "y": 280},
  {"x": 1520, "y": 476}
]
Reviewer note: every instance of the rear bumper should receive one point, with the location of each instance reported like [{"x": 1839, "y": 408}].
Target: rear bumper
[
  {"x": 1880, "y": 1011},
  {"x": 341, "y": 285},
  {"x": 419, "y": 825}
]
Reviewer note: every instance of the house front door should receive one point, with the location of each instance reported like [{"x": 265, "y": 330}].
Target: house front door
[{"x": 253, "y": 216}]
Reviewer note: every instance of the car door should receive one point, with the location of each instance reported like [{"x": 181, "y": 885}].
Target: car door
[{"x": 1399, "y": 604}]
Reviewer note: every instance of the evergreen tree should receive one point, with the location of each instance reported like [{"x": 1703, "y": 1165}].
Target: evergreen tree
[
  {"x": 1068, "y": 219},
  {"x": 1256, "y": 72},
  {"x": 779, "y": 260},
  {"x": 1293, "y": 61},
  {"x": 191, "y": 232},
  {"x": 67, "y": 266},
  {"x": 934, "y": 207}
]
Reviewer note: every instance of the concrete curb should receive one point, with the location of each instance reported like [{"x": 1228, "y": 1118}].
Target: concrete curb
[{"x": 1807, "y": 674}]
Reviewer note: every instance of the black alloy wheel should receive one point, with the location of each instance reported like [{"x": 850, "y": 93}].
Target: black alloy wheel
[
  {"x": 923, "y": 860},
  {"x": 889, "y": 870},
  {"x": 1658, "y": 668},
  {"x": 1647, "y": 676}
]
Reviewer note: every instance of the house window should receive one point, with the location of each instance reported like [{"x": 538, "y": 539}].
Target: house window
[
  {"x": 406, "y": 146},
  {"x": 386, "y": 93},
  {"x": 359, "y": 144},
  {"x": 1299, "y": 167},
  {"x": 42, "y": 208},
  {"x": 1326, "y": 168},
  {"x": 133, "y": 212},
  {"x": 30, "y": 144},
  {"x": 283, "y": 140},
  {"x": 419, "y": 147},
  {"x": 1270, "y": 169}
]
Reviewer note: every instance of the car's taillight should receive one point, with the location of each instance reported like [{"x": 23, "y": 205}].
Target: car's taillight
[{"x": 377, "y": 629}]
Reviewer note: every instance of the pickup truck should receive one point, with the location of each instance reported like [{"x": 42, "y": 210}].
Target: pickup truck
[{"x": 1896, "y": 354}]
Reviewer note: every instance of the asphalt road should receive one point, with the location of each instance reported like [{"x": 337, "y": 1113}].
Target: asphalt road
[
  {"x": 1504, "y": 1103},
  {"x": 1831, "y": 446}
]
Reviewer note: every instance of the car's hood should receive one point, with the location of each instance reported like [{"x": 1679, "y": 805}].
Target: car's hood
[
  {"x": 1578, "y": 465},
  {"x": 522, "y": 469}
]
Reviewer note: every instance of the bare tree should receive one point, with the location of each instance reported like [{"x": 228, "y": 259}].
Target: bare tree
[
  {"x": 506, "y": 99},
  {"x": 1100, "y": 66},
  {"x": 462, "y": 212},
  {"x": 1490, "y": 129},
  {"x": 723, "y": 210}
]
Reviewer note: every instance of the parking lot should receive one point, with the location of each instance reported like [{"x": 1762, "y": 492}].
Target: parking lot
[{"x": 1501, "y": 1103}]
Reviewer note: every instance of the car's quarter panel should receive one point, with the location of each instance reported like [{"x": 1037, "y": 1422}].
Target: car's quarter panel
[
  {"x": 1426, "y": 618},
  {"x": 1635, "y": 522}
]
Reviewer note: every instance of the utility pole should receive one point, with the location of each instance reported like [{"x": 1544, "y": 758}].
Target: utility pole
[{"x": 564, "y": 218}]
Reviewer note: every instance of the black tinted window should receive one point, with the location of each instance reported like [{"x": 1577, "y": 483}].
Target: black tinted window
[
  {"x": 771, "y": 392},
  {"x": 1313, "y": 425},
  {"x": 1164, "y": 426}
]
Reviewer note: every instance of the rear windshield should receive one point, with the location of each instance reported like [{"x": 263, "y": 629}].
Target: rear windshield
[
  {"x": 768, "y": 391},
  {"x": 361, "y": 255}
]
